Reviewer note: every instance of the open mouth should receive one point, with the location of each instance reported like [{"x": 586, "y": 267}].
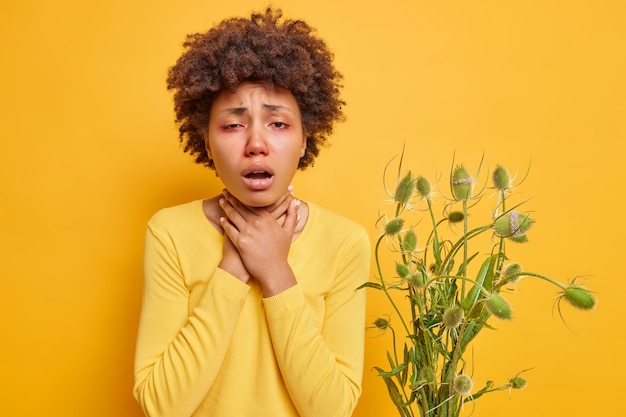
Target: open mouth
[{"x": 258, "y": 175}]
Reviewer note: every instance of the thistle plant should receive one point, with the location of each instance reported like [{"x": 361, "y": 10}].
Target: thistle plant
[{"x": 445, "y": 290}]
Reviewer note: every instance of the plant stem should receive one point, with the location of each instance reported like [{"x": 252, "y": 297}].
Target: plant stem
[
  {"x": 501, "y": 248},
  {"x": 464, "y": 249},
  {"x": 384, "y": 286},
  {"x": 472, "y": 233}
]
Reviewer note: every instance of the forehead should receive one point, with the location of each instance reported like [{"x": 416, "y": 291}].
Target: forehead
[{"x": 256, "y": 94}]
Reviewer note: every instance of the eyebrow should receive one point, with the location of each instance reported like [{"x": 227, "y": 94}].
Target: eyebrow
[{"x": 241, "y": 110}]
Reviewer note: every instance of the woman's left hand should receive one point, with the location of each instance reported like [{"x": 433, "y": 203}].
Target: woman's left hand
[{"x": 262, "y": 242}]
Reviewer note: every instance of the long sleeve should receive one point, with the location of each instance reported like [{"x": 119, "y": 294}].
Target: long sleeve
[
  {"x": 210, "y": 345},
  {"x": 179, "y": 352},
  {"x": 322, "y": 366}
]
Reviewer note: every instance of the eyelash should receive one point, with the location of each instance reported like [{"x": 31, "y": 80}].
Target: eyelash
[
  {"x": 277, "y": 125},
  {"x": 283, "y": 125}
]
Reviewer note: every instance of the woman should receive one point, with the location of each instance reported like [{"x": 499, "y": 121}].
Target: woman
[{"x": 250, "y": 305}]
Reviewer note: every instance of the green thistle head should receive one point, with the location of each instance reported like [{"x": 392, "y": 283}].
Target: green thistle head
[
  {"x": 512, "y": 271},
  {"x": 456, "y": 216},
  {"x": 501, "y": 178},
  {"x": 402, "y": 270},
  {"x": 418, "y": 280},
  {"x": 427, "y": 375},
  {"x": 405, "y": 189},
  {"x": 579, "y": 297},
  {"x": 462, "y": 385},
  {"x": 382, "y": 323},
  {"x": 394, "y": 226},
  {"x": 513, "y": 225},
  {"x": 498, "y": 306},
  {"x": 461, "y": 183},
  {"x": 517, "y": 382},
  {"x": 452, "y": 317},
  {"x": 409, "y": 243},
  {"x": 423, "y": 187}
]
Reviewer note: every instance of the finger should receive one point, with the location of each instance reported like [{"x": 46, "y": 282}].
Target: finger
[
  {"x": 233, "y": 214},
  {"x": 291, "y": 220},
  {"x": 230, "y": 230}
]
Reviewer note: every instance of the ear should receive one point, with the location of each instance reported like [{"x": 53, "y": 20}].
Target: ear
[
  {"x": 208, "y": 149},
  {"x": 303, "y": 149}
]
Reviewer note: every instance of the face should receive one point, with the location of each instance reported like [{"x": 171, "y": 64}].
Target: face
[{"x": 255, "y": 139}]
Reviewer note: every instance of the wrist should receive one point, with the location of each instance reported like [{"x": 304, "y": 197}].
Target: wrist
[
  {"x": 235, "y": 269},
  {"x": 278, "y": 282}
]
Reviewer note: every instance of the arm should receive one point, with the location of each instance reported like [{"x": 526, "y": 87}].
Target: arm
[
  {"x": 322, "y": 368},
  {"x": 179, "y": 353}
]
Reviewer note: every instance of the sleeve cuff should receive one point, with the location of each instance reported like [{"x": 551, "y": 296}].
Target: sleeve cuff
[
  {"x": 228, "y": 286},
  {"x": 285, "y": 303}
]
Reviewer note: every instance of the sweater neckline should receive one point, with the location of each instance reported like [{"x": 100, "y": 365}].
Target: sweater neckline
[{"x": 212, "y": 231}]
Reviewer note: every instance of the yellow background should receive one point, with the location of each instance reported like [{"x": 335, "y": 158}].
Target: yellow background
[{"x": 89, "y": 151}]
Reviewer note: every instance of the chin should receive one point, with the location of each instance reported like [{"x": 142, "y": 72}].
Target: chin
[{"x": 258, "y": 200}]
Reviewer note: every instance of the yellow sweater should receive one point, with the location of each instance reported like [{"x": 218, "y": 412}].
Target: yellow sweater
[{"x": 210, "y": 345}]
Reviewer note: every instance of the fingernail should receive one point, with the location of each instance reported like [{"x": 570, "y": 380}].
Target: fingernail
[
  {"x": 222, "y": 219},
  {"x": 290, "y": 188},
  {"x": 222, "y": 201},
  {"x": 297, "y": 203}
]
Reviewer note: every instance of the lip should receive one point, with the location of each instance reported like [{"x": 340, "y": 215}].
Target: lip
[{"x": 258, "y": 184}]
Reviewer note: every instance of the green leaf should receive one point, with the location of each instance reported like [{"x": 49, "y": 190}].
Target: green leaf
[
  {"x": 405, "y": 370},
  {"x": 394, "y": 372},
  {"x": 394, "y": 394},
  {"x": 473, "y": 294},
  {"x": 437, "y": 253},
  {"x": 368, "y": 284}
]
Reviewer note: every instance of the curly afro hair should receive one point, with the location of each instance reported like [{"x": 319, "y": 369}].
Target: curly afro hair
[{"x": 284, "y": 53}]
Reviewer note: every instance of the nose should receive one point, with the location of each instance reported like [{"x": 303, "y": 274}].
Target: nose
[{"x": 257, "y": 143}]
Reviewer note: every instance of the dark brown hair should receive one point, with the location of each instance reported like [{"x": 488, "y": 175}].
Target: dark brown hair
[{"x": 285, "y": 53}]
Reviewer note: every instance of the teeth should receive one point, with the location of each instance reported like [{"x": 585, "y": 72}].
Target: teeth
[{"x": 258, "y": 174}]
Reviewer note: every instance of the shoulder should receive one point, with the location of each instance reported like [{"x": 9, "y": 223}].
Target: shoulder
[{"x": 181, "y": 215}]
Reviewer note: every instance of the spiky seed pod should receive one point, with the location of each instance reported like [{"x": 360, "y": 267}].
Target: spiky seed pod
[
  {"x": 405, "y": 189},
  {"x": 409, "y": 243},
  {"x": 517, "y": 382},
  {"x": 519, "y": 239},
  {"x": 428, "y": 375},
  {"x": 512, "y": 224},
  {"x": 402, "y": 270},
  {"x": 462, "y": 385},
  {"x": 511, "y": 272},
  {"x": 417, "y": 280},
  {"x": 456, "y": 217},
  {"x": 452, "y": 317},
  {"x": 461, "y": 183},
  {"x": 498, "y": 306},
  {"x": 423, "y": 187},
  {"x": 579, "y": 297},
  {"x": 501, "y": 178},
  {"x": 381, "y": 323},
  {"x": 394, "y": 226}
]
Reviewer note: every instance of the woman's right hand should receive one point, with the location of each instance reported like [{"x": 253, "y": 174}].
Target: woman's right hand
[{"x": 231, "y": 259}]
